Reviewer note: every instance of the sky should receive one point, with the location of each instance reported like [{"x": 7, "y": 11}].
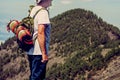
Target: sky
[{"x": 108, "y": 10}]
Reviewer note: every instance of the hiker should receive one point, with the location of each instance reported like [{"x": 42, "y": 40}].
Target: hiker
[{"x": 38, "y": 55}]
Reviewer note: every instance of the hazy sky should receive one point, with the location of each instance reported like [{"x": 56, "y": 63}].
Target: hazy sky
[{"x": 108, "y": 10}]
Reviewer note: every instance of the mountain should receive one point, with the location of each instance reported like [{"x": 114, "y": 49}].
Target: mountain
[
  {"x": 83, "y": 47},
  {"x": 83, "y": 43}
]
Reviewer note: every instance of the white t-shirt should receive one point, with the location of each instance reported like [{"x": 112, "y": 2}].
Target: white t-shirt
[{"x": 42, "y": 17}]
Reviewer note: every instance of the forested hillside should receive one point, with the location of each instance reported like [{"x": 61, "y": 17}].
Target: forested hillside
[
  {"x": 82, "y": 37},
  {"x": 82, "y": 44},
  {"x": 79, "y": 29}
]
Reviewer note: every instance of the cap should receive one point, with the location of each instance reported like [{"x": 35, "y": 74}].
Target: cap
[{"x": 38, "y": 1}]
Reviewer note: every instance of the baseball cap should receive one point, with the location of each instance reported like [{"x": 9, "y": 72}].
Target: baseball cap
[{"x": 38, "y": 1}]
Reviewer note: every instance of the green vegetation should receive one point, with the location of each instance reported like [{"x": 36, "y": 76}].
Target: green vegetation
[
  {"x": 81, "y": 32},
  {"x": 78, "y": 29},
  {"x": 10, "y": 56},
  {"x": 80, "y": 63}
]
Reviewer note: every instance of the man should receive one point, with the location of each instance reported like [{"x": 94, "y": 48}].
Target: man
[{"x": 38, "y": 55}]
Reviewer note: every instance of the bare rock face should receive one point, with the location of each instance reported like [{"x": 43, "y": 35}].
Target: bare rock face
[
  {"x": 112, "y": 72},
  {"x": 113, "y": 36}
]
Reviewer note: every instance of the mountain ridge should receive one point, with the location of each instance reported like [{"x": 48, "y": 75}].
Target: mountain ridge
[{"x": 81, "y": 44}]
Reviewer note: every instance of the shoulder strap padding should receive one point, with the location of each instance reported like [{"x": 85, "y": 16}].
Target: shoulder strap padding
[{"x": 38, "y": 11}]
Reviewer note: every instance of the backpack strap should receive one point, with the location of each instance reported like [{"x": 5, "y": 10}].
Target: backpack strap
[{"x": 38, "y": 11}]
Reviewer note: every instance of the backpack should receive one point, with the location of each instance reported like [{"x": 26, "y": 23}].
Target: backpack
[
  {"x": 23, "y": 31},
  {"x": 28, "y": 22}
]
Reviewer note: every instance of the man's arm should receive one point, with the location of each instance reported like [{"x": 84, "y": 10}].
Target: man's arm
[{"x": 41, "y": 40}]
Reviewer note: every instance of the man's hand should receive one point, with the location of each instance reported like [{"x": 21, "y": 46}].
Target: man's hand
[{"x": 44, "y": 58}]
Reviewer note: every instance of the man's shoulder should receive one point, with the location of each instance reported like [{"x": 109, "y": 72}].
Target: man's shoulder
[{"x": 36, "y": 8}]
